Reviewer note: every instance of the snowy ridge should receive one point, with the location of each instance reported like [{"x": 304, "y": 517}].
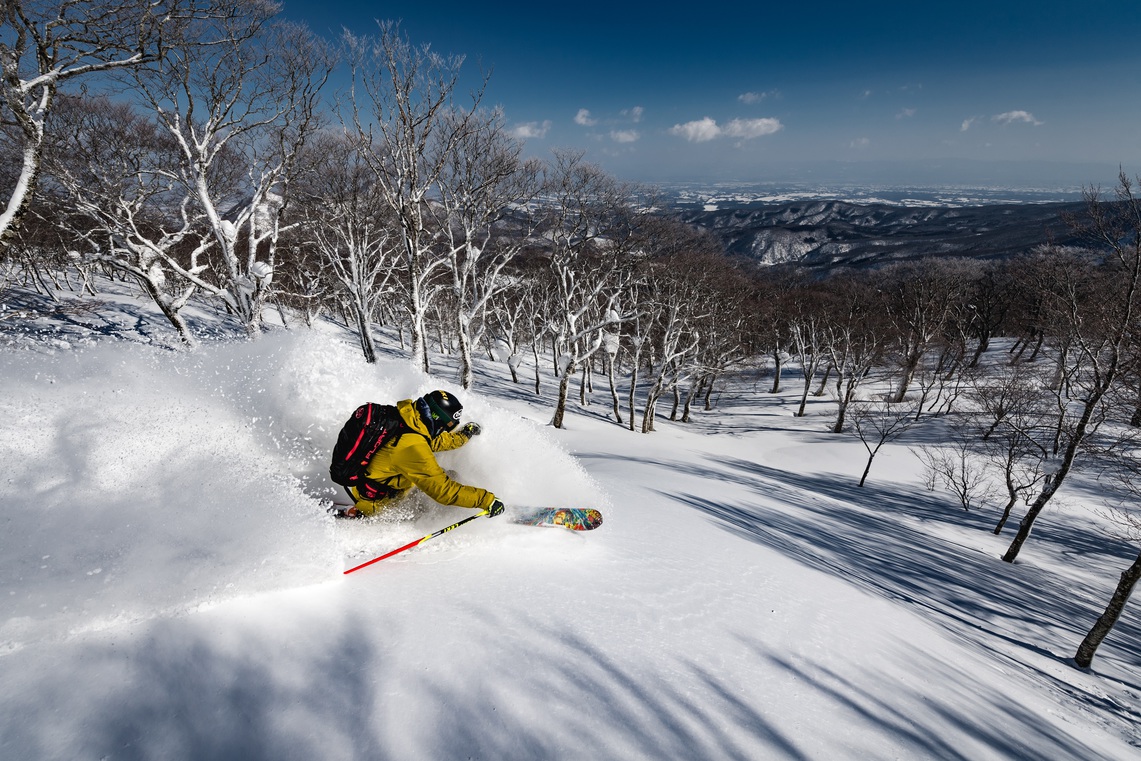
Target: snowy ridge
[{"x": 824, "y": 234}]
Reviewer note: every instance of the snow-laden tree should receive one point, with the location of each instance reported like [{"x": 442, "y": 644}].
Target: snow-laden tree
[
  {"x": 123, "y": 201},
  {"x": 484, "y": 189},
  {"x": 675, "y": 337},
  {"x": 633, "y": 338},
  {"x": 239, "y": 92},
  {"x": 403, "y": 111},
  {"x": 350, "y": 227},
  {"x": 48, "y": 44},
  {"x": 514, "y": 321},
  {"x": 684, "y": 284},
  {"x": 724, "y": 326},
  {"x": 588, "y": 223}
]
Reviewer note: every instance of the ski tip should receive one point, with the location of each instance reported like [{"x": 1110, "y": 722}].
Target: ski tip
[{"x": 593, "y": 519}]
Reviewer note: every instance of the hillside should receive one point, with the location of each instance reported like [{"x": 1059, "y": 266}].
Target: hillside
[
  {"x": 173, "y": 585},
  {"x": 824, "y": 234}
]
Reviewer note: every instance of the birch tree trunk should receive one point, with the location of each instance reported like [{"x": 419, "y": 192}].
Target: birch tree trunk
[{"x": 1107, "y": 620}]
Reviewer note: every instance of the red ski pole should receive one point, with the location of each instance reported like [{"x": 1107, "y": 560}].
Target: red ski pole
[{"x": 410, "y": 545}]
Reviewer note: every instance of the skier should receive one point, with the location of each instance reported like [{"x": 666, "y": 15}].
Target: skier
[{"x": 427, "y": 425}]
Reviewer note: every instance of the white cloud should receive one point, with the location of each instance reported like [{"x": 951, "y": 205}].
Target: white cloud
[
  {"x": 625, "y": 135},
  {"x": 704, "y": 130},
  {"x": 1010, "y": 117},
  {"x": 860, "y": 142},
  {"x": 531, "y": 130},
  {"x": 699, "y": 131},
  {"x": 749, "y": 98},
  {"x": 584, "y": 118},
  {"x": 634, "y": 114},
  {"x": 905, "y": 113},
  {"x": 750, "y": 128},
  {"x": 968, "y": 123}
]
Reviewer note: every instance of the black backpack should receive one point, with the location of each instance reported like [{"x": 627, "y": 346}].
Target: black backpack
[{"x": 371, "y": 427}]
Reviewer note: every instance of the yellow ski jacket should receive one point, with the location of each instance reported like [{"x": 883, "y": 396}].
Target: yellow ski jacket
[{"x": 411, "y": 462}]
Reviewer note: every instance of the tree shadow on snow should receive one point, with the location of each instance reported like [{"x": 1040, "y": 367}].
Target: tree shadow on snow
[
  {"x": 192, "y": 695},
  {"x": 81, "y": 318},
  {"x": 887, "y": 540},
  {"x": 937, "y": 726}
]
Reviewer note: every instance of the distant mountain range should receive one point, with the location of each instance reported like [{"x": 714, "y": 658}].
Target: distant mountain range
[{"x": 826, "y": 234}]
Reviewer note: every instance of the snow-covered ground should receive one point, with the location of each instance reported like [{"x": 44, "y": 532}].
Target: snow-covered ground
[{"x": 172, "y": 588}]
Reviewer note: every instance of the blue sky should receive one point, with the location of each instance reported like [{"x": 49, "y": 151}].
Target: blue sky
[{"x": 1005, "y": 92}]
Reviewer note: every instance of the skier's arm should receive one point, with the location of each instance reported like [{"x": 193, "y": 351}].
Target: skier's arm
[
  {"x": 422, "y": 469},
  {"x": 449, "y": 440}
]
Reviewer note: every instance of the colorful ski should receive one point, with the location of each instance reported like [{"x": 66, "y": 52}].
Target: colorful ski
[{"x": 576, "y": 518}]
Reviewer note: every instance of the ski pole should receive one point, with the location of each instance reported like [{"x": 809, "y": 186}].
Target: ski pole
[{"x": 410, "y": 545}]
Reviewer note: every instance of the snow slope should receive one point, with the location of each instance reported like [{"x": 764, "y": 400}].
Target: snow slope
[{"x": 172, "y": 587}]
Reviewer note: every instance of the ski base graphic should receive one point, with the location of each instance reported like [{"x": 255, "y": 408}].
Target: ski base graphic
[{"x": 574, "y": 518}]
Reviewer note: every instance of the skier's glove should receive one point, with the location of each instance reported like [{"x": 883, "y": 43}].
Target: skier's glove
[
  {"x": 471, "y": 429},
  {"x": 495, "y": 509}
]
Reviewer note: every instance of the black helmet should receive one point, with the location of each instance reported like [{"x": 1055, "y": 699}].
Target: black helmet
[{"x": 440, "y": 411}]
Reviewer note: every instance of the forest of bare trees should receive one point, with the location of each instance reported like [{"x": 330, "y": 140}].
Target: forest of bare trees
[{"x": 196, "y": 148}]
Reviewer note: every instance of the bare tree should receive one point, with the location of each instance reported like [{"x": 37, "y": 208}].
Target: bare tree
[
  {"x": 349, "y": 226},
  {"x": 1100, "y": 321},
  {"x": 878, "y": 421},
  {"x": 920, "y": 298},
  {"x": 957, "y": 466},
  {"x": 1124, "y": 471},
  {"x": 46, "y": 44},
  {"x": 484, "y": 188},
  {"x": 771, "y": 314},
  {"x": 126, "y": 203},
  {"x": 404, "y": 113},
  {"x": 856, "y": 336},
  {"x": 239, "y": 93},
  {"x": 807, "y": 336},
  {"x": 1010, "y": 427},
  {"x": 1108, "y": 619},
  {"x": 1113, "y": 609},
  {"x": 989, "y": 296}
]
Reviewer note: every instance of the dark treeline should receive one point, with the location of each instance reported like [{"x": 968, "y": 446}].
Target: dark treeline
[{"x": 201, "y": 155}]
